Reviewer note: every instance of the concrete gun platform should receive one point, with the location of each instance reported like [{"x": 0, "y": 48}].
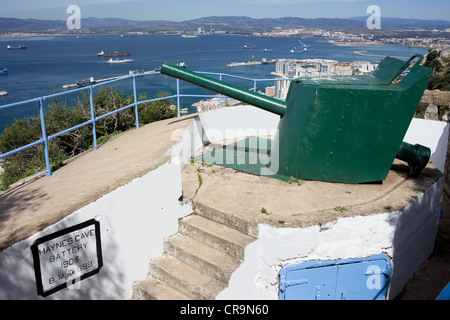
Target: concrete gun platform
[{"x": 252, "y": 199}]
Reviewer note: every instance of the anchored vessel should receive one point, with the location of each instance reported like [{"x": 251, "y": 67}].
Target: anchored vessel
[
  {"x": 86, "y": 82},
  {"x": 19, "y": 47},
  {"x": 114, "y": 54},
  {"x": 182, "y": 64},
  {"x": 345, "y": 129}
]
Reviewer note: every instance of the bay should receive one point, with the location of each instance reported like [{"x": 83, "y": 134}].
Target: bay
[{"x": 49, "y": 62}]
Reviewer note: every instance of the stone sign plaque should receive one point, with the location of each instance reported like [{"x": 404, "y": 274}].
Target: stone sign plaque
[{"x": 64, "y": 258}]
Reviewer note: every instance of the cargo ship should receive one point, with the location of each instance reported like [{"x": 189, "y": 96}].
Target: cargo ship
[
  {"x": 4, "y": 71},
  {"x": 19, "y": 47},
  {"x": 249, "y": 47},
  {"x": 114, "y": 54},
  {"x": 87, "y": 82}
]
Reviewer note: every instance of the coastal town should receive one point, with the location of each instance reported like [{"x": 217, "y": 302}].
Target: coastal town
[
  {"x": 341, "y": 32},
  {"x": 286, "y": 69},
  {"x": 419, "y": 37}
]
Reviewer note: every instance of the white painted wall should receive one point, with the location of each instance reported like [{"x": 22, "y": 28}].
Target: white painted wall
[
  {"x": 432, "y": 134},
  {"x": 133, "y": 221},
  {"x": 237, "y": 122}
]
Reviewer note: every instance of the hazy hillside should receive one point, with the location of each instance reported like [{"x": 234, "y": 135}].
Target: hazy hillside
[{"x": 234, "y": 23}]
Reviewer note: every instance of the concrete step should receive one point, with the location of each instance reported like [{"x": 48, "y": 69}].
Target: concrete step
[
  {"x": 207, "y": 259},
  {"x": 197, "y": 262},
  {"x": 150, "y": 288},
  {"x": 185, "y": 279},
  {"x": 246, "y": 226},
  {"x": 216, "y": 235}
]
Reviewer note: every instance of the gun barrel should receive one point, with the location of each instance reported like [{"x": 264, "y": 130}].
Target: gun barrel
[
  {"x": 417, "y": 156},
  {"x": 258, "y": 100}
]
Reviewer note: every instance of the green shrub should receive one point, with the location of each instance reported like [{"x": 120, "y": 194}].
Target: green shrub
[{"x": 59, "y": 116}]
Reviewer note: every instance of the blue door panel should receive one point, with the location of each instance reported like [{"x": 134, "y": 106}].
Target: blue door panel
[
  {"x": 308, "y": 284},
  {"x": 349, "y": 279},
  {"x": 362, "y": 281}
]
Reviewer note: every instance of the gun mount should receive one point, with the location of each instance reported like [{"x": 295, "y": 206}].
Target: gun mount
[{"x": 345, "y": 129}]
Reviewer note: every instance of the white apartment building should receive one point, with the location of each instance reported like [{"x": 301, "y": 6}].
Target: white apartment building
[
  {"x": 214, "y": 103},
  {"x": 296, "y": 68}
]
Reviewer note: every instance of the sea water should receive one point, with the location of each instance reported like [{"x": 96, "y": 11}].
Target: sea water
[{"x": 49, "y": 62}]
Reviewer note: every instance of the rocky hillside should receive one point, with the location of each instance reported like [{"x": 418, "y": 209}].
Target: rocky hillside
[{"x": 439, "y": 60}]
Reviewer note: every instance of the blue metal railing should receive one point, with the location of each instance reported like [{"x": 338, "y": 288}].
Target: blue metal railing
[{"x": 92, "y": 121}]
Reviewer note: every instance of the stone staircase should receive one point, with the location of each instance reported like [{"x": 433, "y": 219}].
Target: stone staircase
[{"x": 199, "y": 260}]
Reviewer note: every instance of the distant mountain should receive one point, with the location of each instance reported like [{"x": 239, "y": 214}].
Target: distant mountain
[
  {"x": 94, "y": 23},
  {"x": 284, "y": 23},
  {"x": 392, "y": 23},
  {"x": 323, "y": 23},
  {"x": 29, "y": 25},
  {"x": 35, "y": 25},
  {"x": 231, "y": 23}
]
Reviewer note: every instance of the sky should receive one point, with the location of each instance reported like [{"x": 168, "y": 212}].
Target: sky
[{"x": 180, "y": 10}]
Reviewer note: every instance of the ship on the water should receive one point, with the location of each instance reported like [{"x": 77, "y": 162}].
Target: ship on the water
[
  {"x": 4, "y": 71},
  {"x": 114, "y": 54},
  {"x": 119, "y": 61},
  {"x": 87, "y": 82},
  {"x": 265, "y": 61},
  {"x": 252, "y": 63},
  {"x": 3, "y": 93},
  {"x": 249, "y": 47},
  {"x": 182, "y": 64},
  {"x": 19, "y": 47},
  {"x": 301, "y": 50},
  {"x": 240, "y": 64}
]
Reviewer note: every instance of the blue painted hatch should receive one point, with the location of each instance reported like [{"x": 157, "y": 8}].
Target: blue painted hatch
[
  {"x": 347, "y": 279},
  {"x": 445, "y": 294}
]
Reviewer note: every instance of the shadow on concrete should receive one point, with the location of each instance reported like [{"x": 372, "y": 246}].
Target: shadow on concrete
[{"x": 14, "y": 202}]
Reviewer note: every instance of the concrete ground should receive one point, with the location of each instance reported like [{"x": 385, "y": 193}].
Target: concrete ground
[
  {"x": 303, "y": 203},
  {"x": 34, "y": 205},
  {"x": 31, "y": 206}
]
